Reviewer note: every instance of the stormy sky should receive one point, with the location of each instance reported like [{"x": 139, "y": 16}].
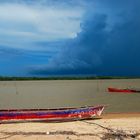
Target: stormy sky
[{"x": 69, "y": 37}]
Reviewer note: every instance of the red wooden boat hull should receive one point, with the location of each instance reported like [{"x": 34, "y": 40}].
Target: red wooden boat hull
[
  {"x": 52, "y": 114},
  {"x": 121, "y": 90}
]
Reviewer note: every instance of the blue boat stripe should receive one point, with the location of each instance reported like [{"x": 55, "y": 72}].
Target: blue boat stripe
[{"x": 66, "y": 112}]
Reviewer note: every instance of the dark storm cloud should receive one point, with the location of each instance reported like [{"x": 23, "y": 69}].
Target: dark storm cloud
[
  {"x": 81, "y": 53},
  {"x": 108, "y": 44},
  {"x": 122, "y": 53}
]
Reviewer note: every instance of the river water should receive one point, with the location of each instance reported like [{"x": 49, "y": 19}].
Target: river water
[{"x": 69, "y": 93}]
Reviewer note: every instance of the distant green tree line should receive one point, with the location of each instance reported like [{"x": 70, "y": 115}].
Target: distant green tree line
[{"x": 5, "y": 78}]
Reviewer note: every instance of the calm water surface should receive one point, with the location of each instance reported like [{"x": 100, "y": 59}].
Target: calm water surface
[{"x": 69, "y": 93}]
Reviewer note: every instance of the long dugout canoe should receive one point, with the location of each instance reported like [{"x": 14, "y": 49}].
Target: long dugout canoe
[{"x": 52, "y": 114}]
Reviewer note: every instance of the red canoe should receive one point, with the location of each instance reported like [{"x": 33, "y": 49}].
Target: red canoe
[
  {"x": 122, "y": 90},
  {"x": 52, "y": 114}
]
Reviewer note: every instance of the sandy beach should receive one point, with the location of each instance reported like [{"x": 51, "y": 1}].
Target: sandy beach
[
  {"x": 110, "y": 126},
  {"x": 115, "y": 122}
]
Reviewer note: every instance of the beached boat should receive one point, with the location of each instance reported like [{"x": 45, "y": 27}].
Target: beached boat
[
  {"x": 60, "y": 114},
  {"x": 123, "y": 90}
]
